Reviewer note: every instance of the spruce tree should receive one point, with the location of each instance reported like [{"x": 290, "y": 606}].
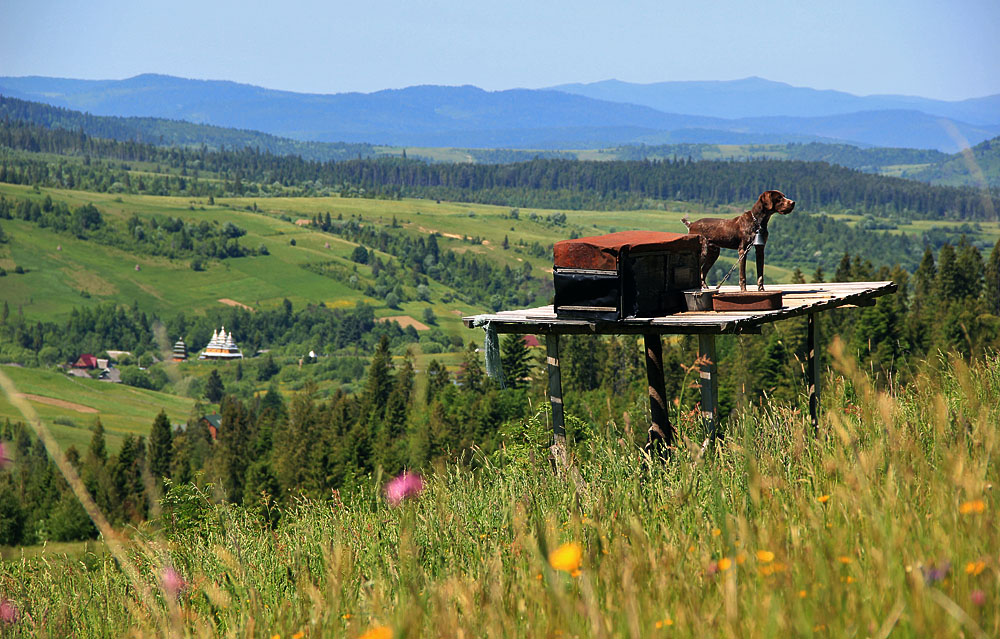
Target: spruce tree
[
  {"x": 516, "y": 361},
  {"x": 160, "y": 447},
  {"x": 991, "y": 281},
  {"x": 214, "y": 388},
  {"x": 437, "y": 380}
]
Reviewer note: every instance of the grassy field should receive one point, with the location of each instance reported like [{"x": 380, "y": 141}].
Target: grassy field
[
  {"x": 70, "y": 406},
  {"x": 883, "y": 526}
]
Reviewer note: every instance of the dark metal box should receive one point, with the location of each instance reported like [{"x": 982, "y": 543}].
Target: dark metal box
[{"x": 626, "y": 274}]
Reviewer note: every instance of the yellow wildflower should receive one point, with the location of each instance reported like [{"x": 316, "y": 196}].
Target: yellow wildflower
[
  {"x": 803, "y": 594},
  {"x": 823, "y": 499},
  {"x": 740, "y": 558},
  {"x": 567, "y": 558},
  {"x": 844, "y": 559},
  {"x": 298, "y": 635},
  {"x": 664, "y": 623},
  {"x": 974, "y": 506},
  {"x": 725, "y": 563},
  {"x": 716, "y": 532},
  {"x": 975, "y": 567},
  {"x": 765, "y": 556},
  {"x": 378, "y": 632}
]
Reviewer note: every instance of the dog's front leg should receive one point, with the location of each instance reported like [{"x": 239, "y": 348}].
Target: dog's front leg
[
  {"x": 743, "y": 271},
  {"x": 760, "y": 266}
]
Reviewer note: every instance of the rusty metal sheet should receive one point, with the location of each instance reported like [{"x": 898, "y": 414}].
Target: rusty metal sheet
[{"x": 602, "y": 252}]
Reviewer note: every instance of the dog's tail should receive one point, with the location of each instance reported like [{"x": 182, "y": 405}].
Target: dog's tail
[{"x": 687, "y": 221}]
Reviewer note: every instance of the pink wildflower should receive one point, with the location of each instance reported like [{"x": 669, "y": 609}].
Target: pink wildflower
[
  {"x": 172, "y": 581},
  {"x": 403, "y": 487},
  {"x": 4, "y": 460},
  {"x": 8, "y": 611},
  {"x": 978, "y": 598}
]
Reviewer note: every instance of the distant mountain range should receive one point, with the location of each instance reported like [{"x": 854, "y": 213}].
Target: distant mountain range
[{"x": 751, "y": 111}]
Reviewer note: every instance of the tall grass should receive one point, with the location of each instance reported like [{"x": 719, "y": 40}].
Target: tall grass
[{"x": 883, "y": 525}]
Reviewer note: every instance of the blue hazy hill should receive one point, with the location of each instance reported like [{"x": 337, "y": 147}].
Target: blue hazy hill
[{"x": 467, "y": 116}]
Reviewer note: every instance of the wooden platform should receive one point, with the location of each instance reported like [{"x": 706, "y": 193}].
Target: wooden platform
[{"x": 798, "y": 299}]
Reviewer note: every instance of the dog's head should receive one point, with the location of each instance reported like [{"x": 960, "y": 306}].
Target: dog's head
[{"x": 773, "y": 202}]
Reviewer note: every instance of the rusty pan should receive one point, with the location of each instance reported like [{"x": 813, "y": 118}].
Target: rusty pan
[{"x": 747, "y": 301}]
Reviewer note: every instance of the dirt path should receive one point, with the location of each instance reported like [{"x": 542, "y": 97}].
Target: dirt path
[
  {"x": 406, "y": 320},
  {"x": 229, "y": 302},
  {"x": 61, "y": 403}
]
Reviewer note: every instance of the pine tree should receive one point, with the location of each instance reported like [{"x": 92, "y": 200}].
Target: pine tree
[
  {"x": 379, "y": 382},
  {"x": 160, "y": 447},
  {"x": 470, "y": 376},
  {"x": 214, "y": 388},
  {"x": 98, "y": 448},
  {"x": 515, "y": 360},
  {"x": 991, "y": 281},
  {"x": 233, "y": 447},
  {"x": 948, "y": 282},
  {"x": 437, "y": 380}
]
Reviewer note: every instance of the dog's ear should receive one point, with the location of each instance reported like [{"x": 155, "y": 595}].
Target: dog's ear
[
  {"x": 765, "y": 200},
  {"x": 762, "y": 204}
]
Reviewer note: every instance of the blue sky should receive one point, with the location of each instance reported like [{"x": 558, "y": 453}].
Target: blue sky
[{"x": 944, "y": 50}]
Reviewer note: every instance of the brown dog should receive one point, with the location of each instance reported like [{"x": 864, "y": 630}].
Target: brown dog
[{"x": 739, "y": 233}]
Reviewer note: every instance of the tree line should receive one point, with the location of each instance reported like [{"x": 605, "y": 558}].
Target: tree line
[{"x": 542, "y": 183}]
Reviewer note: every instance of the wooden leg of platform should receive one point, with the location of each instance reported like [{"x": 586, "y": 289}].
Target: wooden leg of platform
[
  {"x": 555, "y": 397},
  {"x": 812, "y": 371},
  {"x": 709, "y": 384},
  {"x": 661, "y": 434}
]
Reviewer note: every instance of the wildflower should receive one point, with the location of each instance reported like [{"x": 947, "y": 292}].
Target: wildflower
[
  {"x": 378, "y": 632},
  {"x": 276, "y": 635},
  {"x": 844, "y": 559},
  {"x": 171, "y": 581},
  {"x": 404, "y": 487},
  {"x": 664, "y": 623},
  {"x": 725, "y": 563},
  {"x": 803, "y": 594},
  {"x": 713, "y": 567},
  {"x": 4, "y": 459},
  {"x": 345, "y": 616},
  {"x": 716, "y": 532},
  {"x": 970, "y": 507},
  {"x": 772, "y": 569},
  {"x": 823, "y": 499},
  {"x": 935, "y": 573},
  {"x": 299, "y": 635},
  {"x": 978, "y": 598},
  {"x": 975, "y": 567},
  {"x": 740, "y": 558},
  {"x": 9, "y": 613},
  {"x": 765, "y": 556},
  {"x": 567, "y": 558}
]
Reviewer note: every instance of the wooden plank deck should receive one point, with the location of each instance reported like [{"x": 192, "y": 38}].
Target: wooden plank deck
[{"x": 797, "y": 299}]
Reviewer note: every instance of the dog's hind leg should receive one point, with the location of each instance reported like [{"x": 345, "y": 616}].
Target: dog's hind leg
[{"x": 709, "y": 254}]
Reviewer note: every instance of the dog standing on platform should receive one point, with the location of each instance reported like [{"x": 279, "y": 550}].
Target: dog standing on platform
[{"x": 739, "y": 233}]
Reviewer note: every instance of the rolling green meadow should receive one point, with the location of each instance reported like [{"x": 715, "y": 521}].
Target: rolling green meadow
[{"x": 882, "y": 524}]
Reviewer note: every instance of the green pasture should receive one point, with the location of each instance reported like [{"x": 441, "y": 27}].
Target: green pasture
[
  {"x": 64, "y": 272},
  {"x": 123, "y": 410}
]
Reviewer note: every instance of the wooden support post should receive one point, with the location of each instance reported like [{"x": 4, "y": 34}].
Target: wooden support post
[
  {"x": 661, "y": 435},
  {"x": 812, "y": 371},
  {"x": 709, "y": 384},
  {"x": 555, "y": 397}
]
